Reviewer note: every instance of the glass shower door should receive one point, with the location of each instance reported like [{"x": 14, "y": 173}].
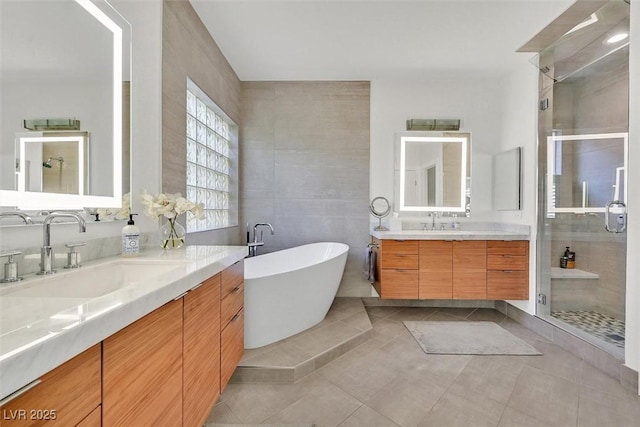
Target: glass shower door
[{"x": 582, "y": 164}]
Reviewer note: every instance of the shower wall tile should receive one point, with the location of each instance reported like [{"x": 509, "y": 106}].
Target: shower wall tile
[{"x": 305, "y": 157}]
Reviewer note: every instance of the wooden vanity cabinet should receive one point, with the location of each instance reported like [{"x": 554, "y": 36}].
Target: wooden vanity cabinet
[
  {"x": 470, "y": 269},
  {"x": 461, "y": 269},
  {"x": 508, "y": 270},
  {"x": 398, "y": 274},
  {"x": 65, "y": 396},
  {"x": 142, "y": 371},
  {"x": 436, "y": 269},
  {"x": 232, "y": 321},
  {"x": 201, "y": 352}
]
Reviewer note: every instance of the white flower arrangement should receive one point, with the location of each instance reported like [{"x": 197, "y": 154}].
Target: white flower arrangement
[
  {"x": 122, "y": 213},
  {"x": 169, "y": 205}
]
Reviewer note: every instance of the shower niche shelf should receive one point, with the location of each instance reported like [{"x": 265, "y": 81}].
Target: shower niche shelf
[{"x": 572, "y": 273}]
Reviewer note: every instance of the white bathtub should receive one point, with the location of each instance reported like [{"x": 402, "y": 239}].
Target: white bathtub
[{"x": 289, "y": 291}]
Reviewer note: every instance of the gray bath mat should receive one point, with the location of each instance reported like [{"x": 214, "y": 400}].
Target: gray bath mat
[{"x": 464, "y": 337}]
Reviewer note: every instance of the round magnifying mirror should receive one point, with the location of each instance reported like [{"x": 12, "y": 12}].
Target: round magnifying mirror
[{"x": 380, "y": 208}]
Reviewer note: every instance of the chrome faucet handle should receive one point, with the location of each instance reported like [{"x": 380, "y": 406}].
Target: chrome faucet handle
[
  {"x": 10, "y": 268},
  {"x": 73, "y": 257}
]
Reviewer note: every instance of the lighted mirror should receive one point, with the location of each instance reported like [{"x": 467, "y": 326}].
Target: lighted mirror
[
  {"x": 65, "y": 59},
  {"x": 507, "y": 180},
  {"x": 585, "y": 172},
  {"x": 432, "y": 172}
]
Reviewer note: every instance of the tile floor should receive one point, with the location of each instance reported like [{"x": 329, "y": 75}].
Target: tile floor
[
  {"x": 607, "y": 328},
  {"x": 389, "y": 381}
]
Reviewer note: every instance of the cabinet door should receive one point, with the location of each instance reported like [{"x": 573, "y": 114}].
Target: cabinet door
[
  {"x": 232, "y": 339},
  {"x": 142, "y": 371},
  {"x": 470, "y": 269},
  {"x": 399, "y": 284},
  {"x": 94, "y": 419},
  {"x": 201, "y": 352},
  {"x": 436, "y": 269},
  {"x": 64, "y": 397},
  {"x": 504, "y": 285}
]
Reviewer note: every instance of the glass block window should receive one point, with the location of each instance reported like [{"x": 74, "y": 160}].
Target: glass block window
[{"x": 212, "y": 152}]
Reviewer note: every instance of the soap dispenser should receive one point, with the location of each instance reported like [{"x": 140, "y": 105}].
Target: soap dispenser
[{"x": 130, "y": 238}]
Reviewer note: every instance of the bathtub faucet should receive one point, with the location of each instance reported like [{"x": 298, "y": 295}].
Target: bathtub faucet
[{"x": 253, "y": 246}]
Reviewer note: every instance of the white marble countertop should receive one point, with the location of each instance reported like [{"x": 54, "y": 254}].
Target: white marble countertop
[
  {"x": 45, "y": 321},
  {"x": 450, "y": 235}
]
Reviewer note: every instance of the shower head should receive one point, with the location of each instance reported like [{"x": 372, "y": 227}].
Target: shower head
[{"x": 48, "y": 165}]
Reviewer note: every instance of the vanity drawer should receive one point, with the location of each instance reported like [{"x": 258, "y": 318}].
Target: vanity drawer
[
  {"x": 402, "y": 254},
  {"x": 231, "y": 304},
  {"x": 511, "y": 247},
  {"x": 399, "y": 284},
  {"x": 232, "y": 276},
  {"x": 507, "y": 262},
  {"x": 232, "y": 347},
  {"x": 508, "y": 285}
]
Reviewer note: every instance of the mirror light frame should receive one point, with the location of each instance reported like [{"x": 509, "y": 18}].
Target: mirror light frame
[
  {"x": 551, "y": 140},
  {"x": 463, "y": 173},
  {"x": 34, "y": 201}
]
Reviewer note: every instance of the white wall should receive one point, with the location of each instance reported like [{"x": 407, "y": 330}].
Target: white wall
[
  {"x": 632, "y": 332},
  {"x": 471, "y": 98},
  {"x": 518, "y": 128}
]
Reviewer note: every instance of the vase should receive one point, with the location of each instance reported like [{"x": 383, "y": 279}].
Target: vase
[{"x": 172, "y": 235}]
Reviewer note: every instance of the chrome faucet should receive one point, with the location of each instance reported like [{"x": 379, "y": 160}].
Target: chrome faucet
[
  {"x": 46, "y": 253},
  {"x": 26, "y": 218},
  {"x": 253, "y": 246}
]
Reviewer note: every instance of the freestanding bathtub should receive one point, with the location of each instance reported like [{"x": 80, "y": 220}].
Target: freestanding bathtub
[{"x": 289, "y": 291}]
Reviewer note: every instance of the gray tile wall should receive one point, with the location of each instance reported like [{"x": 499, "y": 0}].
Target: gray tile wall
[
  {"x": 304, "y": 167},
  {"x": 189, "y": 51}
]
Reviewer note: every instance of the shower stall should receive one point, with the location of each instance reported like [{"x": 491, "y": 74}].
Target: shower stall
[{"x": 582, "y": 165}]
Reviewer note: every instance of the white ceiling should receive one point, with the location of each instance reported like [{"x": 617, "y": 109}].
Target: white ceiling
[{"x": 369, "y": 39}]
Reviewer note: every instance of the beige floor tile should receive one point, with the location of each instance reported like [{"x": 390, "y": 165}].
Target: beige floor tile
[
  {"x": 520, "y": 331},
  {"x": 221, "y": 414},
  {"x": 452, "y": 412},
  {"x": 438, "y": 316},
  {"x": 387, "y": 330},
  {"x": 486, "y": 314},
  {"x": 358, "y": 320},
  {"x": 514, "y": 418},
  {"x": 254, "y": 403},
  {"x": 545, "y": 396},
  {"x": 366, "y": 416},
  {"x": 461, "y": 312},
  {"x": 382, "y": 311},
  {"x": 406, "y": 400},
  {"x": 598, "y": 380},
  {"x": 324, "y": 338},
  {"x": 285, "y": 355},
  {"x": 599, "y": 409},
  {"x": 557, "y": 361},
  {"x": 412, "y": 313},
  {"x": 323, "y": 404},
  {"x": 360, "y": 374}
]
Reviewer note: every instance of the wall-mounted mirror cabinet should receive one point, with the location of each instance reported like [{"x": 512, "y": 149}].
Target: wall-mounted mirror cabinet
[
  {"x": 507, "y": 180},
  {"x": 63, "y": 59},
  {"x": 585, "y": 172},
  {"x": 432, "y": 172}
]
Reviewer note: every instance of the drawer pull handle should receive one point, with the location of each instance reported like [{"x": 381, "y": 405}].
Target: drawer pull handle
[
  {"x": 197, "y": 286},
  {"x": 20, "y": 392},
  {"x": 236, "y": 289},
  {"x": 234, "y": 318},
  {"x": 180, "y": 296}
]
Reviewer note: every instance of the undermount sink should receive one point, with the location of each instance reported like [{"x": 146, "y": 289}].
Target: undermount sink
[{"x": 93, "y": 282}]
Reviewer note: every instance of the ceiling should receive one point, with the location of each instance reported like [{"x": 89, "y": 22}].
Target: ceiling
[{"x": 373, "y": 39}]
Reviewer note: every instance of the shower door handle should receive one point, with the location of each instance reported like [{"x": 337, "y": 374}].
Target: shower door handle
[{"x": 617, "y": 210}]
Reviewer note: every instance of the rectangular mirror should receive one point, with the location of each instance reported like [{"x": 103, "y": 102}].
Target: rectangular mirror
[
  {"x": 507, "y": 180},
  {"x": 432, "y": 172},
  {"x": 585, "y": 172},
  {"x": 63, "y": 59}
]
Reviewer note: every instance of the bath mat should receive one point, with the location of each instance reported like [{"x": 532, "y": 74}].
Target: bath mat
[{"x": 464, "y": 337}]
